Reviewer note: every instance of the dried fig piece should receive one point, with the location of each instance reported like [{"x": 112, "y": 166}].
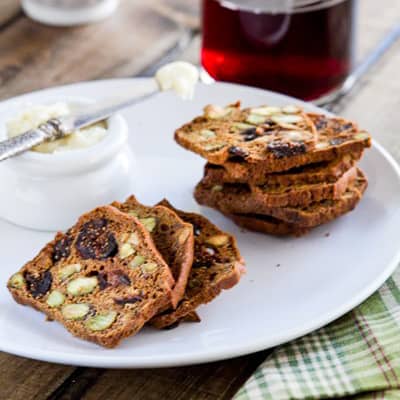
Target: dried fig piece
[
  {"x": 202, "y": 263},
  {"x": 102, "y": 278},
  {"x": 113, "y": 279},
  {"x": 249, "y": 134},
  {"x": 128, "y": 300},
  {"x": 62, "y": 248},
  {"x": 95, "y": 242},
  {"x": 237, "y": 152},
  {"x": 38, "y": 285},
  {"x": 321, "y": 123},
  {"x": 339, "y": 127},
  {"x": 282, "y": 149},
  {"x": 204, "y": 258},
  {"x": 116, "y": 278}
]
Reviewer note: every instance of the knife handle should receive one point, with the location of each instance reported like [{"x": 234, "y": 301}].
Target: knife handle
[{"x": 51, "y": 130}]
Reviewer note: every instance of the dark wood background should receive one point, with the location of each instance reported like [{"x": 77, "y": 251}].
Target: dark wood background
[{"x": 33, "y": 56}]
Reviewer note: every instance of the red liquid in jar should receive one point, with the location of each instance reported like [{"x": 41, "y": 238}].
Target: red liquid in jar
[{"x": 304, "y": 54}]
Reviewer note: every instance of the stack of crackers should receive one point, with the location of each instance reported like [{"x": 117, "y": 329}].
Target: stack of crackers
[
  {"x": 125, "y": 265},
  {"x": 277, "y": 170}
]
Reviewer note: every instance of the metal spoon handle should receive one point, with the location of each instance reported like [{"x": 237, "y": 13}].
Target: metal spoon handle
[{"x": 51, "y": 130}]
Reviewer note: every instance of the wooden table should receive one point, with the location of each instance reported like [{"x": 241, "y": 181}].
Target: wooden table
[{"x": 33, "y": 56}]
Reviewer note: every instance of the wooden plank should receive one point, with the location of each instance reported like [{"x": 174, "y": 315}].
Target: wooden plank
[
  {"x": 76, "y": 385},
  {"x": 184, "y": 13},
  {"x": 373, "y": 21},
  {"x": 9, "y": 10},
  {"x": 213, "y": 381},
  {"x": 375, "y": 102},
  {"x": 35, "y": 56},
  {"x": 375, "y": 105},
  {"x": 25, "y": 379}
]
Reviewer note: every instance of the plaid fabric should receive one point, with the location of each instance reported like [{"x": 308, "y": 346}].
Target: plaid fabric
[{"x": 357, "y": 355}]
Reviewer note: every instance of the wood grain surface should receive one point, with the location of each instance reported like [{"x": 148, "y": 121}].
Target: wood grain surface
[
  {"x": 33, "y": 56},
  {"x": 9, "y": 10}
]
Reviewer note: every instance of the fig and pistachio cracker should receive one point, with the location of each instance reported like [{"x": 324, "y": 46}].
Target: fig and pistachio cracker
[
  {"x": 217, "y": 265},
  {"x": 309, "y": 216},
  {"x": 173, "y": 238},
  {"x": 336, "y": 137},
  {"x": 239, "y": 195},
  {"x": 253, "y": 135},
  {"x": 267, "y": 224},
  {"x": 324, "y": 171},
  {"x": 103, "y": 279}
]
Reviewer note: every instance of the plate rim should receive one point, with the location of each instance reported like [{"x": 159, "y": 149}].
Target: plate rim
[{"x": 104, "y": 360}]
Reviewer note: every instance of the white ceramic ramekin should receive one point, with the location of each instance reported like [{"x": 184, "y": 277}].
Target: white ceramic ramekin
[
  {"x": 49, "y": 191},
  {"x": 67, "y": 12}
]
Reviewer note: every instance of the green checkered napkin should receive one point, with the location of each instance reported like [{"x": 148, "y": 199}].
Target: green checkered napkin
[{"x": 357, "y": 355}]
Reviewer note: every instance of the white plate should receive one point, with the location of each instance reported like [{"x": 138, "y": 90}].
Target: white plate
[{"x": 319, "y": 278}]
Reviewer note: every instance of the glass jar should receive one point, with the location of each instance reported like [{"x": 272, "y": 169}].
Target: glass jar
[{"x": 304, "y": 48}]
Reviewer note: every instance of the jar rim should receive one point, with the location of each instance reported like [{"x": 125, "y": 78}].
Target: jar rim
[{"x": 279, "y": 6}]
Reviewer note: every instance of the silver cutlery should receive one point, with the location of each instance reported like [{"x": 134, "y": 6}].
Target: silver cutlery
[{"x": 57, "y": 128}]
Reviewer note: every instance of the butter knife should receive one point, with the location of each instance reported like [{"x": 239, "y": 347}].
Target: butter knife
[{"x": 57, "y": 128}]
